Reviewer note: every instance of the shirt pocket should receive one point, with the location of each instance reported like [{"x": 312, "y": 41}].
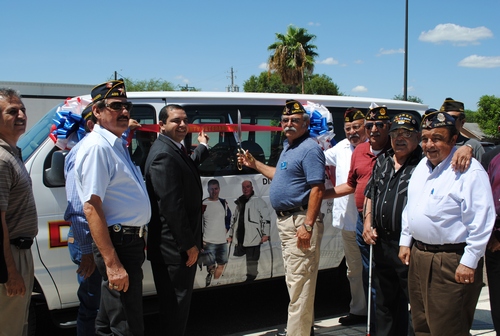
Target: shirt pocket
[{"x": 440, "y": 207}]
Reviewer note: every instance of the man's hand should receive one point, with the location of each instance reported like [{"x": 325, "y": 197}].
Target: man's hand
[
  {"x": 87, "y": 265},
  {"x": 461, "y": 159},
  {"x": 229, "y": 239},
  {"x": 303, "y": 238},
  {"x": 370, "y": 235},
  {"x": 15, "y": 284},
  {"x": 203, "y": 137},
  {"x": 404, "y": 255},
  {"x": 464, "y": 274},
  {"x": 493, "y": 244},
  {"x": 264, "y": 239},
  {"x": 192, "y": 256},
  {"x": 133, "y": 124},
  {"x": 117, "y": 278},
  {"x": 247, "y": 160}
]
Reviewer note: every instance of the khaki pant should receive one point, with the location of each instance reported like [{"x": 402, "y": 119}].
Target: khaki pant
[
  {"x": 14, "y": 310},
  {"x": 301, "y": 272}
]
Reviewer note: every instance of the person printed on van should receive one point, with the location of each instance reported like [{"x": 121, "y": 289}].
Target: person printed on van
[
  {"x": 216, "y": 223},
  {"x": 296, "y": 194},
  {"x": 251, "y": 228},
  {"x": 116, "y": 205},
  {"x": 19, "y": 218},
  {"x": 174, "y": 236},
  {"x": 80, "y": 239}
]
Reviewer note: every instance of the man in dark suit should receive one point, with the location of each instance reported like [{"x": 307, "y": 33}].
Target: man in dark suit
[{"x": 174, "y": 237}]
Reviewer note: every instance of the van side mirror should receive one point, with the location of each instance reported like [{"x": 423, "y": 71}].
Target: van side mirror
[{"x": 54, "y": 175}]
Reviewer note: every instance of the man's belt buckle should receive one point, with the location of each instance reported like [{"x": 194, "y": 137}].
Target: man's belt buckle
[{"x": 117, "y": 228}]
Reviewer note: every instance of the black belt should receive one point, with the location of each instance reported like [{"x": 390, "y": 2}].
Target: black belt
[
  {"x": 291, "y": 211},
  {"x": 440, "y": 248},
  {"x": 126, "y": 230},
  {"x": 22, "y": 243}
]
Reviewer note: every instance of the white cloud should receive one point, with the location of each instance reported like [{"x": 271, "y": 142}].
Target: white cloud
[
  {"x": 263, "y": 66},
  {"x": 328, "y": 61},
  {"x": 455, "y": 34},
  {"x": 475, "y": 61},
  {"x": 358, "y": 62},
  {"x": 182, "y": 79},
  {"x": 382, "y": 51},
  {"x": 314, "y": 24},
  {"x": 359, "y": 88}
]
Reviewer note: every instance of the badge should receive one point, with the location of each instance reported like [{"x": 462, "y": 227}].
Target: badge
[
  {"x": 283, "y": 165},
  {"x": 117, "y": 228}
]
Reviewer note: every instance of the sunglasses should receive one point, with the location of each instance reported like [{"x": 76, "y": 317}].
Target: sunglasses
[
  {"x": 119, "y": 106},
  {"x": 353, "y": 127},
  {"x": 459, "y": 117},
  {"x": 378, "y": 124},
  {"x": 404, "y": 134},
  {"x": 293, "y": 120}
]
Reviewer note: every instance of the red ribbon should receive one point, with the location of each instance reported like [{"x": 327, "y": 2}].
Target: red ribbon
[{"x": 195, "y": 128}]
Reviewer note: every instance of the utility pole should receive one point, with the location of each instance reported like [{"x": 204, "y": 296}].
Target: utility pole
[
  {"x": 232, "y": 87},
  {"x": 405, "y": 80}
]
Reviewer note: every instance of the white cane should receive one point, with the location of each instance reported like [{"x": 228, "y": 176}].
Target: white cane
[{"x": 368, "y": 318}]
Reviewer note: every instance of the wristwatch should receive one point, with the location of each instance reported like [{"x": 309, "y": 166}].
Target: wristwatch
[{"x": 308, "y": 227}]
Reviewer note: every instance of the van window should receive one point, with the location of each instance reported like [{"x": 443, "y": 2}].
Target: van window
[
  {"x": 265, "y": 146},
  {"x": 141, "y": 141}
]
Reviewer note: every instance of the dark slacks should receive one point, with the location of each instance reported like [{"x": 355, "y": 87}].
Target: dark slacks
[
  {"x": 440, "y": 305},
  {"x": 392, "y": 288},
  {"x": 493, "y": 274},
  {"x": 121, "y": 313},
  {"x": 252, "y": 254},
  {"x": 174, "y": 286}
]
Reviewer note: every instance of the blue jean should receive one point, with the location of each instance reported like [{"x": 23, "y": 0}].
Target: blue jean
[
  {"x": 219, "y": 251},
  {"x": 365, "y": 259},
  {"x": 89, "y": 294}
]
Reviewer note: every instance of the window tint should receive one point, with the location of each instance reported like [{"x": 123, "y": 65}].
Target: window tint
[{"x": 141, "y": 140}]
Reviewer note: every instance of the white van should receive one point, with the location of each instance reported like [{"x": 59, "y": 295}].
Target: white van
[{"x": 55, "y": 278}]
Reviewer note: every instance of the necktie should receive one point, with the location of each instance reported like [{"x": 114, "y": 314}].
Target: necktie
[{"x": 184, "y": 150}]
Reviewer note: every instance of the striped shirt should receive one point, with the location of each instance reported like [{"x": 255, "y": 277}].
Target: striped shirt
[
  {"x": 16, "y": 194},
  {"x": 391, "y": 188}
]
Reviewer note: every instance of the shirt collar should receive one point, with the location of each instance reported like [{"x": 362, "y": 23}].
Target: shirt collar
[{"x": 108, "y": 136}]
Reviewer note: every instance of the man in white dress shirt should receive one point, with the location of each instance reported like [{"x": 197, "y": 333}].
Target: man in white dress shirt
[
  {"x": 449, "y": 216},
  {"x": 345, "y": 214}
]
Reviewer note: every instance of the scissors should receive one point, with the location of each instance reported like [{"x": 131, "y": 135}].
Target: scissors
[{"x": 237, "y": 137}]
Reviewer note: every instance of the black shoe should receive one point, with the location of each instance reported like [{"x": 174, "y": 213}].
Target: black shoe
[{"x": 352, "y": 319}]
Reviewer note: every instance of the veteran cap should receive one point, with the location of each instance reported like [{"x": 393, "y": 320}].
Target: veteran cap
[
  {"x": 109, "y": 89},
  {"x": 451, "y": 105},
  {"x": 352, "y": 114},
  {"x": 437, "y": 119},
  {"x": 376, "y": 112},
  {"x": 87, "y": 111},
  {"x": 406, "y": 121},
  {"x": 292, "y": 107}
]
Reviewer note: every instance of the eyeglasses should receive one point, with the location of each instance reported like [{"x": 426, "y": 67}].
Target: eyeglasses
[
  {"x": 293, "y": 120},
  {"x": 353, "y": 127},
  {"x": 119, "y": 106},
  {"x": 404, "y": 134},
  {"x": 459, "y": 117},
  {"x": 378, "y": 124}
]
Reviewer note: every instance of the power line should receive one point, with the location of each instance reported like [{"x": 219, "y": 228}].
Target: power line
[{"x": 232, "y": 87}]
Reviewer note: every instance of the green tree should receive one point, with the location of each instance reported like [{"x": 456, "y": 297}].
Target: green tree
[
  {"x": 414, "y": 99},
  {"x": 293, "y": 56},
  {"x": 488, "y": 114},
  {"x": 153, "y": 84},
  {"x": 313, "y": 84},
  {"x": 470, "y": 116}
]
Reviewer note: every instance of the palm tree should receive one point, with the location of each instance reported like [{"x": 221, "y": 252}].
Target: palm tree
[{"x": 293, "y": 56}]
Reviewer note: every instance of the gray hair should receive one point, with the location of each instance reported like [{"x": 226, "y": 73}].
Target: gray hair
[{"x": 9, "y": 94}]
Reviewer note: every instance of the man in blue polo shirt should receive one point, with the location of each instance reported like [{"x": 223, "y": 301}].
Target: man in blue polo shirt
[{"x": 296, "y": 194}]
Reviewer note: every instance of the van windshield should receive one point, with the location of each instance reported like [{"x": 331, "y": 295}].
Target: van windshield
[{"x": 30, "y": 141}]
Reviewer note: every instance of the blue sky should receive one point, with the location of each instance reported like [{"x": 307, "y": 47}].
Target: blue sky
[{"x": 453, "y": 48}]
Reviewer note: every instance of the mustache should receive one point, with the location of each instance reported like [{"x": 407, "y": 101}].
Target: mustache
[
  {"x": 374, "y": 133},
  {"x": 290, "y": 128},
  {"x": 124, "y": 118},
  {"x": 355, "y": 135}
]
